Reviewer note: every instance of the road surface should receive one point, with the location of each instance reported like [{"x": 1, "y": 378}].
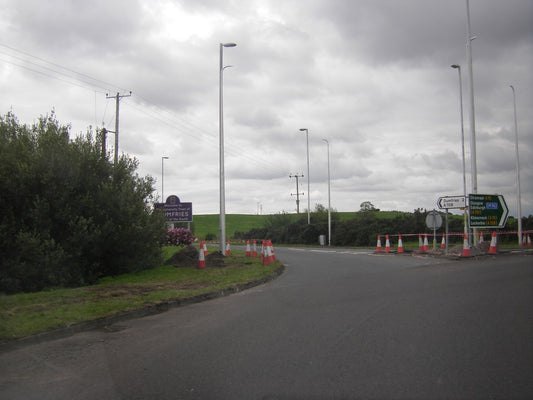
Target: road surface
[{"x": 336, "y": 325}]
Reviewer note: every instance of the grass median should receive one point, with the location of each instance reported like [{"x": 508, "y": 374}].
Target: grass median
[{"x": 26, "y": 314}]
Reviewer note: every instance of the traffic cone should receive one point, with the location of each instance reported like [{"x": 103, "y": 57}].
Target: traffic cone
[
  {"x": 420, "y": 244},
  {"x": 201, "y": 259},
  {"x": 400, "y": 244},
  {"x": 263, "y": 251},
  {"x": 266, "y": 255},
  {"x": 228, "y": 248},
  {"x": 528, "y": 240},
  {"x": 480, "y": 237},
  {"x": 387, "y": 244},
  {"x": 466, "y": 247},
  {"x": 426, "y": 244},
  {"x": 248, "y": 251},
  {"x": 254, "y": 252},
  {"x": 493, "y": 244},
  {"x": 443, "y": 243},
  {"x": 205, "y": 248},
  {"x": 378, "y": 246},
  {"x": 272, "y": 255}
]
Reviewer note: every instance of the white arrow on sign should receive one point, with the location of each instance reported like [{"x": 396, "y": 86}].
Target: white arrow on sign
[{"x": 448, "y": 202}]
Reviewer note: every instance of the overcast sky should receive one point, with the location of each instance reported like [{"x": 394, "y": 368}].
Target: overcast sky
[{"x": 373, "y": 77}]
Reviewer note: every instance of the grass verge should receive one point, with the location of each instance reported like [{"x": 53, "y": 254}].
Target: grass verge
[{"x": 26, "y": 314}]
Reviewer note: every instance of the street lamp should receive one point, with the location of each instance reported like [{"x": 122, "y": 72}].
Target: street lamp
[
  {"x": 473, "y": 161},
  {"x": 308, "y": 185},
  {"x": 329, "y": 199},
  {"x": 221, "y": 157},
  {"x": 517, "y": 171},
  {"x": 163, "y": 178},
  {"x": 458, "y": 67}
]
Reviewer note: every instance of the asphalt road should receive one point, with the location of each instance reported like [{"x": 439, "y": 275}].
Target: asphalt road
[{"x": 335, "y": 325}]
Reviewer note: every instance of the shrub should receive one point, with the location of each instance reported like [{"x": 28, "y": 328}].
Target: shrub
[{"x": 179, "y": 237}]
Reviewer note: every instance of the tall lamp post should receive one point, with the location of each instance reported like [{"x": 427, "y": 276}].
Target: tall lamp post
[
  {"x": 473, "y": 161},
  {"x": 308, "y": 178},
  {"x": 517, "y": 170},
  {"x": 221, "y": 156},
  {"x": 329, "y": 199},
  {"x": 163, "y": 178},
  {"x": 458, "y": 67}
]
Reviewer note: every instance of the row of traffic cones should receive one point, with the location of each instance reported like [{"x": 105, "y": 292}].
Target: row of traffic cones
[
  {"x": 267, "y": 252},
  {"x": 423, "y": 244},
  {"x": 388, "y": 246}
]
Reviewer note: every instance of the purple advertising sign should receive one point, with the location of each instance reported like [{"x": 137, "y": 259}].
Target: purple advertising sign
[{"x": 175, "y": 211}]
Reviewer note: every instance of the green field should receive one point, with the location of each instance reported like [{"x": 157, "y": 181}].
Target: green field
[{"x": 209, "y": 223}]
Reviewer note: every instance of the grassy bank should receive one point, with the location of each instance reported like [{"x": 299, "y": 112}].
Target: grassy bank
[{"x": 26, "y": 314}]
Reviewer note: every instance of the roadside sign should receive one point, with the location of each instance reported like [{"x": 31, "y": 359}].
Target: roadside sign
[
  {"x": 448, "y": 202},
  {"x": 433, "y": 220},
  {"x": 175, "y": 211},
  {"x": 487, "y": 210}
]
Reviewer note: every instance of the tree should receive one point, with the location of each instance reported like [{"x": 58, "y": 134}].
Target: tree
[
  {"x": 367, "y": 206},
  {"x": 69, "y": 215}
]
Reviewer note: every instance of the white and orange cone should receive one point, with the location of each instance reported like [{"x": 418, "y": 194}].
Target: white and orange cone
[
  {"x": 228, "y": 248},
  {"x": 420, "y": 244},
  {"x": 400, "y": 244},
  {"x": 466, "y": 247},
  {"x": 254, "y": 251},
  {"x": 204, "y": 248},
  {"x": 493, "y": 244},
  {"x": 528, "y": 240},
  {"x": 387, "y": 244},
  {"x": 201, "y": 259},
  {"x": 266, "y": 255},
  {"x": 248, "y": 250},
  {"x": 426, "y": 243},
  {"x": 481, "y": 237},
  {"x": 443, "y": 243},
  {"x": 378, "y": 246},
  {"x": 272, "y": 255}
]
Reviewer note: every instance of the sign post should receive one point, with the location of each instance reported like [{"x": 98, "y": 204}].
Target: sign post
[
  {"x": 434, "y": 221},
  {"x": 487, "y": 210},
  {"x": 451, "y": 202}
]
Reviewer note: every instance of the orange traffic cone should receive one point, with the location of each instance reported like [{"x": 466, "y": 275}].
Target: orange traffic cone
[
  {"x": 272, "y": 255},
  {"x": 426, "y": 244},
  {"x": 400, "y": 244},
  {"x": 387, "y": 244},
  {"x": 493, "y": 244},
  {"x": 266, "y": 258},
  {"x": 481, "y": 237},
  {"x": 420, "y": 244},
  {"x": 201, "y": 259},
  {"x": 254, "y": 252},
  {"x": 228, "y": 248},
  {"x": 466, "y": 247},
  {"x": 248, "y": 251},
  {"x": 443, "y": 243},
  {"x": 205, "y": 248},
  {"x": 378, "y": 246},
  {"x": 528, "y": 240}
]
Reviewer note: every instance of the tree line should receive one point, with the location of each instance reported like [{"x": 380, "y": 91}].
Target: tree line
[
  {"x": 69, "y": 215},
  {"x": 361, "y": 230}
]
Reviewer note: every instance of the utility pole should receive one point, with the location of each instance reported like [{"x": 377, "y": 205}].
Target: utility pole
[
  {"x": 118, "y": 96},
  {"x": 297, "y": 191},
  {"x": 104, "y": 134}
]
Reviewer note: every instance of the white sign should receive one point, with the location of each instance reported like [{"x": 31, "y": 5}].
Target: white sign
[
  {"x": 448, "y": 202},
  {"x": 433, "y": 220}
]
